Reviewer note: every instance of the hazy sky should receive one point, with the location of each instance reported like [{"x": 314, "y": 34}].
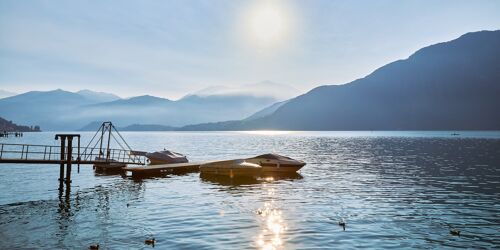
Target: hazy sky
[{"x": 170, "y": 48}]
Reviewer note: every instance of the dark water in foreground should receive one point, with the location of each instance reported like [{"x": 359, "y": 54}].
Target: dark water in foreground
[{"x": 394, "y": 189}]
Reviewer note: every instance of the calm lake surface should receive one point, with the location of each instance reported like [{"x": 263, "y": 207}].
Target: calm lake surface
[{"x": 394, "y": 190}]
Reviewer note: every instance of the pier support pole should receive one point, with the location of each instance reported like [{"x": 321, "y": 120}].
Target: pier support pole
[
  {"x": 69, "y": 159},
  {"x": 61, "y": 167}
]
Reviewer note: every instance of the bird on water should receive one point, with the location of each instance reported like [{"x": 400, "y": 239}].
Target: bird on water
[
  {"x": 151, "y": 241},
  {"x": 455, "y": 232},
  {"x": 94, "y": 247},
  {"x": 342, "y": 223}
]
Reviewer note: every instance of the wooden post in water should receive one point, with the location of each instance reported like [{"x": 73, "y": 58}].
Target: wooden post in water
[
  {"x": 69, "y": 159},
  {"x": 61, "y": 167},
  {"x": 79, "y": 159}
]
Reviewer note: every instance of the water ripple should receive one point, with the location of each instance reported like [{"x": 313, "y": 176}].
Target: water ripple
[{"x": 393, "y": 191}]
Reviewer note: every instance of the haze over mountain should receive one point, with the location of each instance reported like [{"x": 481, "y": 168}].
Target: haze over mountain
[
  {"x": 266, "y": 111},
  {"x": 98, "y": 96},
  {"x": 262, "y": 89},
  {"x": 93, "y": 126},
  {"x": 4, "y": 93},
  {"x": 64, "y": 110},
  {"x": 447, "y": 86},
  {"x": 188, "y": 110},
  {"x": 49, "y": 109}
]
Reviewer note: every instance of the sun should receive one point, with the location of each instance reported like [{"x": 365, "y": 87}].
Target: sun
[{"x": 267, "y": 23}]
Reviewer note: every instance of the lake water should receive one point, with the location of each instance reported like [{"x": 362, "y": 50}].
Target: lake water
[{"x": 394, "y": 190}]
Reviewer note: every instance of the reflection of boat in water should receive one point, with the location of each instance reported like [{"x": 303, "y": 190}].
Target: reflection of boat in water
[
  {"x": 238, "y": 167},
  {"x": 166, "y": 157},
  {"x": 277, "y": 163},
  {"x": 275, "y": 176},
  {"x": 226, "y": 180}
]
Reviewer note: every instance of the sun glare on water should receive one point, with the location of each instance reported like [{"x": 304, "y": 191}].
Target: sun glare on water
[
  {"x": 273, "y": 226},
  {"x": 267, "y": 132},
  {"x": 268, "y": 23}
]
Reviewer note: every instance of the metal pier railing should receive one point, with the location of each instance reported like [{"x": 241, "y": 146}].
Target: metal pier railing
[{"x": 48, "y": 154}]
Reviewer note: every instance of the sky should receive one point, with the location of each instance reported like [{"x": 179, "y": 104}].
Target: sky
[{"x": 175, "y": 47}]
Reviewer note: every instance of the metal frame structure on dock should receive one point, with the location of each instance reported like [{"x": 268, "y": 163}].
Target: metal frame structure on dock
[{"x": 68, "y": 154}]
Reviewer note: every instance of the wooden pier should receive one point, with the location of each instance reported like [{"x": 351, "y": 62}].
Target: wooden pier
[
  {"x": 98, "y": 153},
  {"x": 14, "y": 133}
]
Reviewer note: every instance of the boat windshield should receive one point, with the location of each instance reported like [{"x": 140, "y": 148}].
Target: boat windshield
[{"x": 273, "y": 157}]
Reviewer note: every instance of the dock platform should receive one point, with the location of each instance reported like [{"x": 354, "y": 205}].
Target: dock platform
[{"x": 174, "y": 168}]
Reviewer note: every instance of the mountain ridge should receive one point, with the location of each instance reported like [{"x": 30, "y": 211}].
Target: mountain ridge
[
  {"x": 435, "y": 88},
  {"x": 64, "y": 110}
]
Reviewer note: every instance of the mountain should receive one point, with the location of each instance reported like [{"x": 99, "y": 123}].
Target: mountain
[
  {"x": 453, "y": 85},
  {"x": 266, "y": 111},
  {"x": 49, "y": 109},
  {"x": 64, "y": 110},
  {"x": 147, "y": 127},
  {"x": 9, "y": 126},
  {"x": 4, "y": 93},
  {"x": 94, "y": 126},
  {"x": 188, "y": 110},
  {"x": 98, "y": 96},
  {"x": 269, "y": 89}
]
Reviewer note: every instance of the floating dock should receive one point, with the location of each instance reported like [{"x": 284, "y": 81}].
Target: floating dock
[{"x": 138, "y": 171}]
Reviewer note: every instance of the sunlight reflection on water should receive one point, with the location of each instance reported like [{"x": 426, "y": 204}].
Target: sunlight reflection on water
[
  {"x": 271, "y": 222},
  {"x": 267, "y": 132}
]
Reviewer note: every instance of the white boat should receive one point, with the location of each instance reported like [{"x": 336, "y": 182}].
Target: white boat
[
  {"x": 166, "y": 157},
  {"x": 231, "y": 168},
  {"x": 277, "y": 163}
]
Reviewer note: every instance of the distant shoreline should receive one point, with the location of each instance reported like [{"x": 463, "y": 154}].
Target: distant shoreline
[{"x": 451, "y": 134}]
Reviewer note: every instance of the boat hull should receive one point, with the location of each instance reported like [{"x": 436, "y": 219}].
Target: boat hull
[
  {"x": 231, "y": 168},
  {"x": 285, "y": 168},
  {"x": 231, "y": 172},
  {"x": 154, "y": 161}
]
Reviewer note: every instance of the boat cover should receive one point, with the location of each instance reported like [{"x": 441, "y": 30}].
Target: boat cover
[
  {"x": 230, "y": 164},
  {"x": 167, "y": 156},
  {"x": 273, "y": 157}
]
